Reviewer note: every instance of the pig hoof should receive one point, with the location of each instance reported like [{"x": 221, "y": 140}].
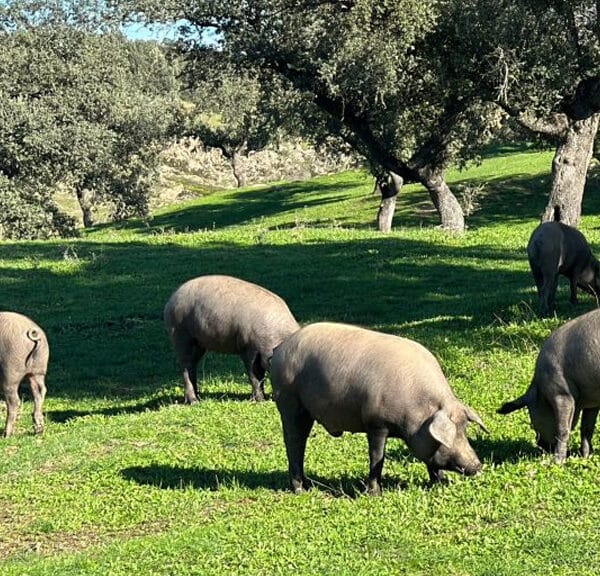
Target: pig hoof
[
  {"x": 298, "y": 486},
  {"x": 298, "y": 489}
]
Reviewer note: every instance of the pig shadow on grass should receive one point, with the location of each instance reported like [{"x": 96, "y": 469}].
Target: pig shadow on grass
[
  {"x": 63, "y": 416},
  {"x": 155, "y": 404},
  {"x": 501, "y": 451},
  {"x": 178, "y": 478},
  {"x": 496, "y": 451}
]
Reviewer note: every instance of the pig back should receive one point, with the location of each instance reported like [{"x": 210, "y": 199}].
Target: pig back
[
  {"x": 560, "y": 245},
  {"x": 23, "y": 345},
  {"x": 571, "y": 357},
  {"x": 350, "y": 378},
  {"x": 226, "y": 314}
]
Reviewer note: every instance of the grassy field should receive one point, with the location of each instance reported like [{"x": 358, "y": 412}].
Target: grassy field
[{"x": 127, "y": 480}]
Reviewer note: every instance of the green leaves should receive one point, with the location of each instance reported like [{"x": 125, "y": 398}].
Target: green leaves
[{"x": 84, "y": 111}]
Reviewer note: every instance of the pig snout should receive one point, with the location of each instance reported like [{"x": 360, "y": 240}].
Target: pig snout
[
  {"x": 466, "y": 467},
  {"x": 462, "y": 459},
  {"x": 467, "y": 462},
  {"x": 472, "y": 468}
]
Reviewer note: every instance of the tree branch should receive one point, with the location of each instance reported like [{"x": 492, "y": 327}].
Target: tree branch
[
  {"x": 554, "y": 126},
  {"x": 345, "y": 113}
]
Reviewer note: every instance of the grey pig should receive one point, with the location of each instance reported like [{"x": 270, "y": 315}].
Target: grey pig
[
  {"x": 555, "y": 248},
  {"x": 227, "y": 315},
  {"x": 356, "y": 380},
  {"x": 24, "y": 353},
  {"x": 566, "y": 382}
]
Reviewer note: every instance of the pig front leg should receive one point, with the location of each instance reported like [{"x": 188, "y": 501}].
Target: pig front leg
[
  {"x": 588, "y": 424},
  {"x": 377, "y": 440},
  {"x": 564, "y": 410},
  {"x": 435, "y": 474}
]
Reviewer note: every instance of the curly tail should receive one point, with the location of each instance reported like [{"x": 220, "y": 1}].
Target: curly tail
[{"x": 34, "y": 335}]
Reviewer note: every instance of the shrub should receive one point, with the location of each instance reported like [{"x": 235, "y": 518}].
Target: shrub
[{"x": 26, "y": 214}]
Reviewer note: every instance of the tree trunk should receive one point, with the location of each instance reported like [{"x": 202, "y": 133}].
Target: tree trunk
[
  {"x": 569, "y": 172},
  {"x": 389, "y": 186},
  {"x": 238, "y": 165},
  {"x": 446, "y": 204},
  {"x": 86, "y": 198}
]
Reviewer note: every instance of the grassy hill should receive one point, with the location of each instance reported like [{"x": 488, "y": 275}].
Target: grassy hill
[{"x": 127, "y": 480}]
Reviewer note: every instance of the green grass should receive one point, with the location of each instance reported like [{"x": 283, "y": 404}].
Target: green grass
[{"x": 126, "y": 480}]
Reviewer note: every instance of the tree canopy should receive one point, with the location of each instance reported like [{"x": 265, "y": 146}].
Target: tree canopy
[
  {"x": 412, "y": 86},
  {"x": 539, "y": 61},
  {"x": 84, "y": 110},
  {"x": 378, "y": 69},
  {"x": 235, "y": 110}
]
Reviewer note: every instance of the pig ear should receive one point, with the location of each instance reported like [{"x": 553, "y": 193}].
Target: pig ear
[
  {"x": 472, "y": 416},
  {"x": 442, "y": 429}
]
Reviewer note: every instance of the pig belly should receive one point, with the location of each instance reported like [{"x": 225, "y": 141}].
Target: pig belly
[
  {"x": 336, "y": 417},
  {"x": 589, "y": 397}
]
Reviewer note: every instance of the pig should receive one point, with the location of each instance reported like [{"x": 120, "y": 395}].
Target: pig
[
  {"x": 24, "y": 353},
  {"x": 566, "y": 382},
  {"x": 351, "y": 379},
  {"x": 230, "y": 316},
  {"x": 555, "y": 248}
]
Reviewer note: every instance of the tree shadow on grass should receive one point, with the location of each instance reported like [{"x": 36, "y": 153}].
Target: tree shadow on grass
[
  {"x": 234, "y": 207},
  {"x": 107, "y": 338}
]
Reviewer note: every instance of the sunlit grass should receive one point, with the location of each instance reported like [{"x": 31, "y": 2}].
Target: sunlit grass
[{"x": 127, "y": 480}]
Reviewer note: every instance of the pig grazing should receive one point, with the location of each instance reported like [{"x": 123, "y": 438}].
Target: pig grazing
[
  {"x": 227, "y": 315},
  {"x": 566, "y": 382},
  {"x": 555, "y": 248},
  {"x": 23, "y": 353},
  {"x": 356, "y": 380}
]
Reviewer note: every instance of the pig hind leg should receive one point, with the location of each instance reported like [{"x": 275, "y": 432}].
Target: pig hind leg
[
  {"x": 256, "y": 374},
  {"x": 297, "y": 424},
  {"x": 543, "y": 283},
  {"x": 573, "y": 286},
  {"x": 189, "y": 354},
  {"x": 588, "y": 423},
  {"x": 538, "y": 278},
  {"x": 11, "y": 395},
  {"x": 548, "y": 294},
  {"x": 38, "y": 390},
  {"x": 377, "y": 440}
]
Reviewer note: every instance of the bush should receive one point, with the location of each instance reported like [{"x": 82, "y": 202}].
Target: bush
[{"x": 27, "y": 214}]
